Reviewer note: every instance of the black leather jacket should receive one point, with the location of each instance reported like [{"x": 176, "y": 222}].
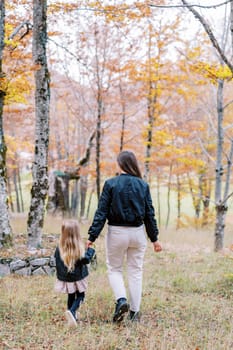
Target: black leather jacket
[
  {"x": 80, "y": 271},
  {"x": 125, "y": 201}
]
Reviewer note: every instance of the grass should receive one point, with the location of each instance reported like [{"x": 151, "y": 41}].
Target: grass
[{"x": 187, "y": 303}]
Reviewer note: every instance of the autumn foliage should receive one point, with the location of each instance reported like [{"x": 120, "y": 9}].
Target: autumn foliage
[{"x": 128, "y": 72}]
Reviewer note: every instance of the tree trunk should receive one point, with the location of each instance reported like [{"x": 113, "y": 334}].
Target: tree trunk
[
  {"x": 58, "y": 144},
  {"x": 98, "y": 137},
  {"x": 66, "y": 194},
  {"x": 75, "y": 199},
  {"x": 196, "y": 198},
  {"x": 10, "y": 194},
  {"x": 5, "y": 228},
  {"x": 231, "y": 26},
  {"x": 42, "y": 96},
  {"x": 151, "y": 100},
  {"x": 150, "y": 115},
  {"x": 83, "y": 194},
  {"x": 168, "y": 195},
  {"x": 89, "y": 201},
  {"x": 178, "y": 202},
  {"x": 16, "y": 190},
  {"x": 205, "y": 194},
  {"x": 158, "y": 200},
  {"x": 20, "y": 190},
  {"x": 221, "y": 204},
  {"x": 122, "y": 119},
  {"x": 56, "y": 195},
  {"x": 219, "y": 224}
]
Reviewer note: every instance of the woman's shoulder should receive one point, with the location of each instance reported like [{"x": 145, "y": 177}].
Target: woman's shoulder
[
  {"x": 125, "y": 178},
  {"x": 112, "y": 180},
  {"x": 140, "y": 181}
]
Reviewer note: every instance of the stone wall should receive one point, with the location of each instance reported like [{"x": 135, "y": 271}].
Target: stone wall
[
  {"x": 32, "y": 266},
  {"x": 28, "y": 266}
]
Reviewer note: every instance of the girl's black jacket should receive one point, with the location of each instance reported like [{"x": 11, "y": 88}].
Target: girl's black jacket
[
  {"x": 80, "y": 271},
  {"x": 125, "y": 201}
]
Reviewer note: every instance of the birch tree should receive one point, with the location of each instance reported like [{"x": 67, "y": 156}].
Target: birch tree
[
  {"x": 221, "y": 195},
  {"x": 42, "y": 97},
  {"x": 5, "y": 228}
]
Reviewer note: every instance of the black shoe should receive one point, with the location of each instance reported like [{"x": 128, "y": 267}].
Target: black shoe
[
  {"x": 134, "y": 316},
  {"x": 121, "y": 308}
]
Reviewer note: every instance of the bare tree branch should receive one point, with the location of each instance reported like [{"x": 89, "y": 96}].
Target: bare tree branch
[
  {"x": 228, "y": 104},
  {"x": 192, "y": 5},
  {"x": 86, "y": 157},
  {"x": 231, "y": 28},
  {"x": 204, "y": 149},
  {"x": 125, "y": 8},
  {"x": 79, "y": 59},
  {"x": 210, "y": 34},
  {"x": 26, "y": 25},
  {"x": 226, "y": 199}
]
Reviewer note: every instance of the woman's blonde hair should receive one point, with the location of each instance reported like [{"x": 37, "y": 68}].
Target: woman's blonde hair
[{"x": 71, "y": 245}]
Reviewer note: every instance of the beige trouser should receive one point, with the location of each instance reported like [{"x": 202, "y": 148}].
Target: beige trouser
[{"x": 130, "y": 242}]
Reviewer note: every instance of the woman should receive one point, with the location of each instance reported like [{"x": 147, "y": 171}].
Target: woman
[{"x": 126, "y": 203}]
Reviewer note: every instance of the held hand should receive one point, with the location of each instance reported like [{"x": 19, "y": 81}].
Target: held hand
[
  {"x": 157, "y": 246},
  {"x": 88, "y": 244}
]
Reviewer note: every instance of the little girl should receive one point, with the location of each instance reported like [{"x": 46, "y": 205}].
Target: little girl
[{"x": 71, "y": 267}]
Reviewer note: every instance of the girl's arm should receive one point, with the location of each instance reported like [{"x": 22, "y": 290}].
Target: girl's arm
[{"x": 89, "y": 254}]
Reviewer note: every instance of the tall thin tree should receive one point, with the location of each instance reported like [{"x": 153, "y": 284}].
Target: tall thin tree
[
  {"x": 221, "y": 197},
  {"x": 5, "y": 228},
  {"x": 42, "y": 97},
  {"x": 151, "y": 100}
]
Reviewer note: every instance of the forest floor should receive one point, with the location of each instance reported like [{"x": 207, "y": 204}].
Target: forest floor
[{"x": 187, "y": 300}]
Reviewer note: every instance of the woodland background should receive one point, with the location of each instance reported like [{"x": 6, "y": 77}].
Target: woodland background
[{"x": 153, "y": 77}]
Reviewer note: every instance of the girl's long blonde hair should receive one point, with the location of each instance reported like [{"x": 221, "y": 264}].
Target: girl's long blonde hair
[{"x": 70, "y": 244}]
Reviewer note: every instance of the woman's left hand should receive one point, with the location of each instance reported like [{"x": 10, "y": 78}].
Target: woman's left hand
[
  {"x": 89, "y": 244},
  {"x": 157, "y": 246}
]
